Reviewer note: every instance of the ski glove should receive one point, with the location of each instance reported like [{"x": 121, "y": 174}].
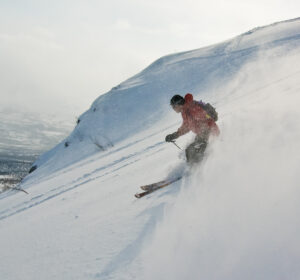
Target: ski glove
[{"x": 171, "y": 137}]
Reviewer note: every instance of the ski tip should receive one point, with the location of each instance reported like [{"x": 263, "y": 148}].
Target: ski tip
[{"x": 137, "y": 195}]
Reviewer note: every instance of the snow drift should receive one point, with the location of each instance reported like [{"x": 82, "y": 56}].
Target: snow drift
[
  {"x": 233, "y": 217},
  {"x": 237, "y": 216}
]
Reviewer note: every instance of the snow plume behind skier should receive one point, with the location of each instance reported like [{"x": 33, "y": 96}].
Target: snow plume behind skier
[{"x": 195, "y": 119}]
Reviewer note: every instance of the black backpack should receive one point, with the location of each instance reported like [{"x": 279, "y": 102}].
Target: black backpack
[{"x": 209, "y": 109}]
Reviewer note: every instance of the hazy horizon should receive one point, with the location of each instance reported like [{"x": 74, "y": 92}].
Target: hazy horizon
[{"x": 59, "y": 56}]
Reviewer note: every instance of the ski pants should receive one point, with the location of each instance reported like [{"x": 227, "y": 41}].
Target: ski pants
[{"x": 195, "y": 151}]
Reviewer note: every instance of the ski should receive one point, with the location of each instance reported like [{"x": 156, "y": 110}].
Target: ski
[
  {"x": 156, "y": 186},
  {"x": 151, "y": 186}
]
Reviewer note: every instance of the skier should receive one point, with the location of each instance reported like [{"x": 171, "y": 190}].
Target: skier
[
  {"x": 197, "y": 120},
  {"x": 197, "y": 117}
]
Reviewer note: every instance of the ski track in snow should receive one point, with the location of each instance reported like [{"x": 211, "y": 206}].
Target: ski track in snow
[
  {"x": 102, "y": 155},
  {"x": 82, "y": 180}
]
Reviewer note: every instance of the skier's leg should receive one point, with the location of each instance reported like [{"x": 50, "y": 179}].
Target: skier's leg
[
  {"x": 189, "y": 151},
  {"x": 200, "y": 148},
  {"x": 195, "y": 151}
]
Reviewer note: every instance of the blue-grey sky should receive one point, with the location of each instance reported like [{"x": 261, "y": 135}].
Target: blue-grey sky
[{"x": 59, "y": 55}]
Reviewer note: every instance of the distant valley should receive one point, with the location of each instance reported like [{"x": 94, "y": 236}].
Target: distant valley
[{"x": 23, "y": 137}]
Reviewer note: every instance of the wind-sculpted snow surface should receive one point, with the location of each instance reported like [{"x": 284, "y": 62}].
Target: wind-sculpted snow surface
[{"x": 233, "y": 217}]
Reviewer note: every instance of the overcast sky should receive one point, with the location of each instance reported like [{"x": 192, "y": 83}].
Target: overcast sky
[{"x": 60, "y": 55}]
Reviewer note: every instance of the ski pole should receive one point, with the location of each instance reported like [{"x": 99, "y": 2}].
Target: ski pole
[{"x": 176, "y": 145}]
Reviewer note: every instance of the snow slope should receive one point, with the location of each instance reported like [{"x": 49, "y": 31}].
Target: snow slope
[{"x": 233, "y": 217}]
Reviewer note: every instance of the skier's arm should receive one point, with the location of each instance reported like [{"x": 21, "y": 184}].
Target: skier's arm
[{"x": 183, "y": 129}]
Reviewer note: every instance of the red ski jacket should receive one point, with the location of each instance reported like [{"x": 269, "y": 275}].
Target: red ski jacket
[{"x": 196, "y": 119}]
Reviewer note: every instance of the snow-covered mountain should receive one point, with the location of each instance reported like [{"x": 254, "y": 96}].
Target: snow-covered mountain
[
  {"x": 141, "y": 101},
  {"x": 233, "y": 217}
]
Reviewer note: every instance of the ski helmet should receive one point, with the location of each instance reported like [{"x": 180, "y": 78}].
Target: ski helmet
[{"x": 177, "y": 100}]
